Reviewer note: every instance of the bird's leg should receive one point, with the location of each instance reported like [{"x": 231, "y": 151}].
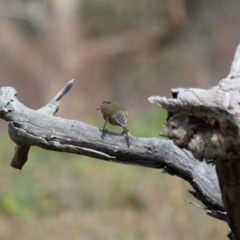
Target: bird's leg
[
  {"x": 104, "y": 129},
  {"x": 125, "y": 132}
]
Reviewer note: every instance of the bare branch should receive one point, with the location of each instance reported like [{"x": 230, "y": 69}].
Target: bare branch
[
  {"x": 37, "y": 128},
  {"x": 21, "y": 152},
  {"x": 207, "y": 123}
]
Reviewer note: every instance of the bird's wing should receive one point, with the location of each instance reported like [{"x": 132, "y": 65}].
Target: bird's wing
[{"x": 121, "y": 120}]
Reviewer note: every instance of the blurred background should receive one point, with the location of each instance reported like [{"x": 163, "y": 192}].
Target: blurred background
[{"x": 124, "y": 51}]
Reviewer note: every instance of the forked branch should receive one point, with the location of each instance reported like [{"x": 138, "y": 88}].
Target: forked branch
[
  {"x": 28, "y": 128},
  {"x": 204, "y": 122}
]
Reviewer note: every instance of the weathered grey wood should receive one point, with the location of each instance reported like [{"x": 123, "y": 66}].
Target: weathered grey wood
[
  {"x": 28, "y": 127},
  {"x": 21, "y": 152},
  {"x": 207, "y": 123}
]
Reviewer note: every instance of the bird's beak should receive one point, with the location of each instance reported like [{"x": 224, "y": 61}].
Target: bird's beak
[{"x": 98, "y": 109}]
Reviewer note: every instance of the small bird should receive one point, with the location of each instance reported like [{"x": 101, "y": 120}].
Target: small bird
[{"x": 115, "y": 114}]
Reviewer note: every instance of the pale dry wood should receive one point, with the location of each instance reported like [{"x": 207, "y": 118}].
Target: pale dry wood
[
  {"x": 21, "y": 152},
  {"x": 207, "y": 122},
  {"x": 28, "y": 127}
]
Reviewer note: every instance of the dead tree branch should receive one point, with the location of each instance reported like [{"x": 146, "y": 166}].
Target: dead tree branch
[
  {"x": 21, "y": 151},
  {"x": 28, "y": 128},
  {"x": 207, "y": 123},
  {"x": 204, "y": 122}
]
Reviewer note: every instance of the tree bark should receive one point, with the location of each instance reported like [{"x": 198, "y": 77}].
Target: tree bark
[
  {"x": 207, "y": 122},
  {"x": 28, "y": 128},
  {"x": 204, "y": 125}
]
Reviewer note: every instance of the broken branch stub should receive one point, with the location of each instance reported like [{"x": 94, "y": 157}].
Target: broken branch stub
[
  {"x": 28, "y": 128},
  {"x": 207, "y": 123},
  {"x": 21, "y": 151}
]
